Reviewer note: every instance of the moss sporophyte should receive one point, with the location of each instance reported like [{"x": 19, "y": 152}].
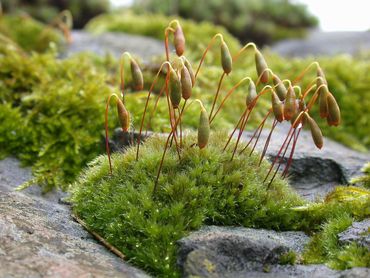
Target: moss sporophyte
[{"x": 145, "y": 199}]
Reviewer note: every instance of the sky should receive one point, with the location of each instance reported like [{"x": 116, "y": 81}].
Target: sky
[{"x": 334, "y": 15}]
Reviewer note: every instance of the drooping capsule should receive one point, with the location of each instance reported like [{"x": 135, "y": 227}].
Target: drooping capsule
[
  {"x": 301, "y": 120},
  {"x": 186, "y": 83},
  {"x": 279, "y": 87},
  {"x": 252, "y": 95},
  {"x": 277, "y": 107},
  {"x": 323, "y": 101},
  {"x": 123, "y": 116},
  {"x": 175, "y": 87},
  {"x": 315, "y": 130},
  {"x": 137, "y": 76},
  {"x": 203, "y": 128},
  {"x": 179, "y": 40},
  {"x": 290, "y": 105},
  {"x": 333, "y": 118},
  {"x": 226, "y": 59},
  {"x": 190, "y": 69},
  {"x": 261, "y": 67}
]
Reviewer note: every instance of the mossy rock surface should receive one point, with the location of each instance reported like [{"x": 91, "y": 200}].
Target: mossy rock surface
[{"x": 204, "y": 187}]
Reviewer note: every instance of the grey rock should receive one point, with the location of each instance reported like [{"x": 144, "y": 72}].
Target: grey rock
[
  {"x": 358, "y": 232},
  {"x": 324, "y": 43},
  {"x": 313, "y": 172},
  {"x": 115, "y": 44},
  {"x": 121, "y": 140},
  {"x": 39, "y": 238},
  {"x": 241, "y": 252}
]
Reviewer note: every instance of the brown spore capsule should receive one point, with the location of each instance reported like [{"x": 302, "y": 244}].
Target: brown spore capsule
[
  {"x": 279, "y": 87},
  {"x": 137, "y": 76},
  {"x": 290, "y": 105},
  {"x": 179, "y": 40},
  {"x": 123, "y": 116},
  {"x": 323, "y": 101},
  {"x": 261, "y": 67},
  {"x": 186, "y": 83},
  {"x": 277, "y": 107},
  {"x": 175, "y": 86},
  {"x": 252, "y": 95},
  {"x": 315, "y": 131},
  {"x": 190, "y": 69},
  {"x": 203, "y": 128},
  {"x": 334, "y": 117}
]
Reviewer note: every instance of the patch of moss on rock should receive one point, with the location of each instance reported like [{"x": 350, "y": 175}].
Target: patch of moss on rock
[{"x": 204, "y": 187}]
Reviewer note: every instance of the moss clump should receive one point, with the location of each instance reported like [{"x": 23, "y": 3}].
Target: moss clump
[
  {"x": 204, "y": 187},
  {"x": 44, "y": 101},
  {"x": 289, "y": 257}
]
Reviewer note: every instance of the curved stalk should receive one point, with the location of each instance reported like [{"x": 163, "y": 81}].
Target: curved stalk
[
  {"x": 299, "y": 77},
  {"x": 218, "y": 35},
  {"x": 106, "y": 131},
  {"x": 121, "y": 73},
  {"x": 146, "y": 105}
]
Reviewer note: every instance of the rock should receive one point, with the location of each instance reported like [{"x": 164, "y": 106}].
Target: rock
[
  {"x": 359, "y": 232},
  {"x": 242, "y": 252},
  {"x": 115, "y": 44},
  {"x": 324, "y": 43},
  {"x": 121, "y": 140},
  {"x": 38, "y": 237},
  {"x": 314, "y": 172}
]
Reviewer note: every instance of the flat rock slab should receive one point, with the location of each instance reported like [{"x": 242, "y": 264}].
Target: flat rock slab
[
  {"x": 324, "y": 43},
  {"x": 240, "y": 252},
  {"x": 313, "y": 172},
  {"x": 115, "y": 44},
  {"x": 38, "y": 237},
  {"x": 359, "y": 232}
]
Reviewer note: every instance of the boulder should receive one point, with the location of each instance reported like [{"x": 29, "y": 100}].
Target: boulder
[
  {"x": 114, "y": 44},
  {"x": 313, "y": 172},
  {"x": 358, "y": 232},
  {"x": 254, "y": 253},
  {"x": 39, "y": 238}
]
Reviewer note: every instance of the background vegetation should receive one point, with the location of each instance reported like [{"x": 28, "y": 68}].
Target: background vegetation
[
  {"x": 259, "y": 21},
  {"x": 46, "y": 10}
]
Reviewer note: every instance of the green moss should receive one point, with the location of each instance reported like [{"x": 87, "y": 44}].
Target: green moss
[
  {"x": 44, "y": 102},
  {"x": 349, "y": 256},
  {"x": 28, "y": 33},
  {"x": 342, "y": 206},
  {"x": 324, "y": 247},
  {"x": 205, "y": 187},
  {"x": 365, "y": 179}
]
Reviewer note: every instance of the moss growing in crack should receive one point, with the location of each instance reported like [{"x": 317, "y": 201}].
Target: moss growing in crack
[
  {"x": 289, "y": 257},
  {"x": 365, "y": 179},
  {"x": 341, "y": 207},
  {"x": 325, "y": 248},
  {"x": 205, "y": 187}
]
